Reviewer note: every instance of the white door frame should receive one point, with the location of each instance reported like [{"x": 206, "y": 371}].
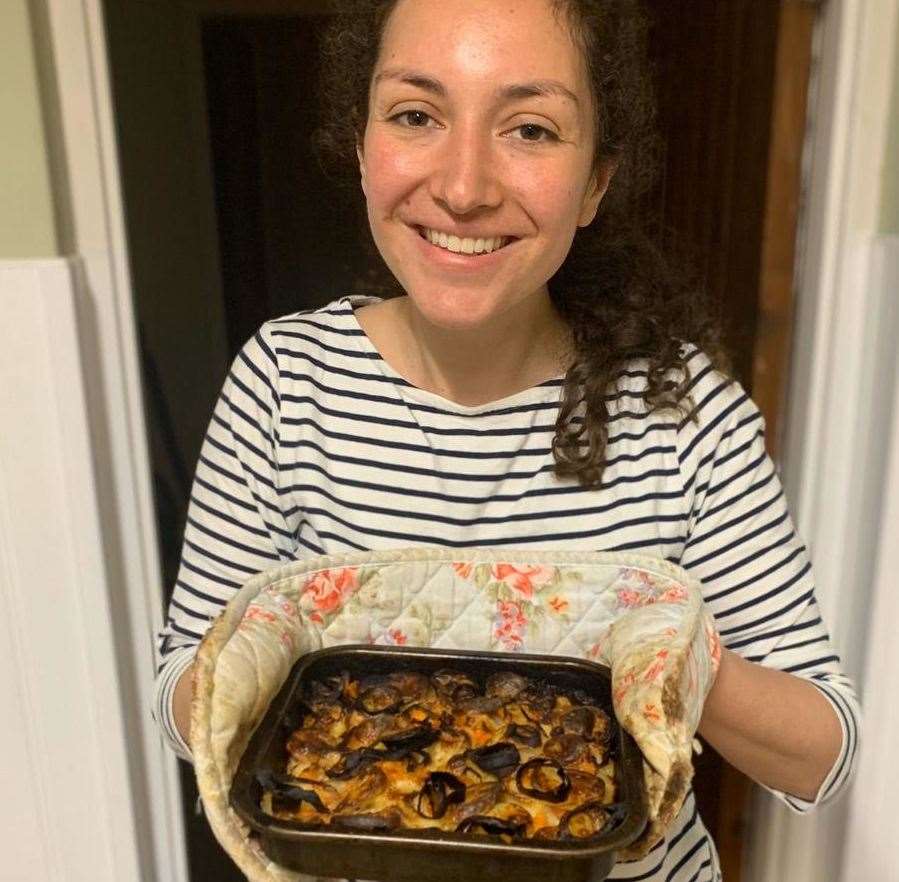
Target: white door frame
[
  {"x": 81, "y": 131},
  {"x": 855, "y": 65},
  {"x": 837, "y": 430}
]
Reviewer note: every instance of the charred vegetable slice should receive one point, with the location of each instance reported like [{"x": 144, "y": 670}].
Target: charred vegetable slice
[
  {"x": 465, "y": 768},
  {"x": 327, "y": 691},
  {"x": 544, "y": 779},
  {"x": 586, "y": 787},
  {"x": 465, "y": 694},
  {"x": 416, "y": 715},
  {"x": 374, "y": 822},
  {"x": 491, "y": 826},
  {"x": 309, "y": 741},
  {"x": 479, "y": 800},
  {"x": 500, "y": 759},
  {"x": 288, "y": 794},
  {"x": 352, "y": 763},
  {"x": 524, "y": 733},
  {"x": 546, "y": 833},
  {"x": 360, "y": 792},
  {"x": 379, "y": 699},
  {"x": 447, "y": 681},
  {"x": 541, "y": 697},
  {"x": 579, "y": 721},
  {"x": 505, "y": 685},
  {"x": 591, "y": 819},
  {"x": 369, "y": 732},
  {"x": 293, "y": 718},
  {"x": 409, "y": 741},
  {"x": 565, "y": 748},
  {"x": 479, "y": 704},
  {"x": 441, "y": 790},
  {"x": 411, "y": 685}
]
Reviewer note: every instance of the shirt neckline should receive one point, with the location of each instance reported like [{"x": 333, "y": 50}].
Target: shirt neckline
[{"x": 549, "y": 390}]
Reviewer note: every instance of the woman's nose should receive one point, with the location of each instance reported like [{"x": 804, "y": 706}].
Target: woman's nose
[{"x": 466, "y": 176}]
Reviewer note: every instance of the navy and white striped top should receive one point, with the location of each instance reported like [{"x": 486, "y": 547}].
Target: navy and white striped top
[{"x": 317, "y": 446}]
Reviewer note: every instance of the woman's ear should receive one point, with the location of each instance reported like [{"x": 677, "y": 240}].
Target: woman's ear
[
  {"x": 596, "y": 189},
  {"x": 361, "y": 159}
]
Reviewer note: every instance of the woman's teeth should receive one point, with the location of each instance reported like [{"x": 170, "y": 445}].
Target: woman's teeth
[{"x": 463, "y": 246}]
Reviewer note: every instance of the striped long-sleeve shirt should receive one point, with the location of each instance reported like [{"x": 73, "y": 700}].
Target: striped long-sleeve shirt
[{"x": 316, "y": 446}]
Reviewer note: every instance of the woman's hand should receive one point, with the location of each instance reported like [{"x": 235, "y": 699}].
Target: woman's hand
[
  {"x": 775, "y": 727},
  {"x": 181, "y": 702}
]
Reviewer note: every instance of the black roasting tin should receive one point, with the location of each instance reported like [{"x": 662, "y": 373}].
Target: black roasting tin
[{"x": 434, "y": 856}]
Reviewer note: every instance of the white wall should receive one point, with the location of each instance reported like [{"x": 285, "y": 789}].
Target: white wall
[
  {"x": 871, "y": 849},
  {"x": 68, "y": 815}
]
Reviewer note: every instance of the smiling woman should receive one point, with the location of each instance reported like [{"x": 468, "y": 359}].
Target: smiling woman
[
  {"x": 472, "y": 135},
  {"x": 533, "y": 123},
  {"x": 540, "y": 380}
]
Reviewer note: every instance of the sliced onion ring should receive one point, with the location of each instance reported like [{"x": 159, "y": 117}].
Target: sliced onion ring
[
  {"x": 529, "y": 774},
  {"x": 440, "y": 790}
]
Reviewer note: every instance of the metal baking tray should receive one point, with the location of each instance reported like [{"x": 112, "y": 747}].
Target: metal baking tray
[{"x": 434, "y": 856}]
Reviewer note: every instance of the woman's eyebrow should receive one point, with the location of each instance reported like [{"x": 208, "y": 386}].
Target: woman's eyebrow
[
  {"x": 537, "y": 89},
  {"x": 516, "y": 91},
  {"x": 412, "y": 78}
]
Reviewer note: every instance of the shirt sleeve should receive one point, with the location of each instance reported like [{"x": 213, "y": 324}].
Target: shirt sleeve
[
  {"x": 741, "y": 544},
  {"x": 235, "y": 523}
]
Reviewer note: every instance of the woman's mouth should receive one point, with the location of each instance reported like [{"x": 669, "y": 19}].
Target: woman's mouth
[{"x": 463, "y": 245}]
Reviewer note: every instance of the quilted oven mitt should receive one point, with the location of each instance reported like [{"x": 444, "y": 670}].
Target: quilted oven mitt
[{"x": 641, "y": 616}]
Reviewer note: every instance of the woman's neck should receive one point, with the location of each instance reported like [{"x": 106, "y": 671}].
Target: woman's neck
[{"x": 520, "y": 349}]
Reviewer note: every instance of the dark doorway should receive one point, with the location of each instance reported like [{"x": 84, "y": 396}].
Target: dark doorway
[{"x": 287, "y": 239}]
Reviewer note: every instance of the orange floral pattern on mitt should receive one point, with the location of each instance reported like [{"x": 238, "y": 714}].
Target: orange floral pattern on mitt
[{"x": 327, "y": 590}]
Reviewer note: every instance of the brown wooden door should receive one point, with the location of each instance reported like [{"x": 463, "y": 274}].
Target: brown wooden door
[{"x": 732, "y": 83}]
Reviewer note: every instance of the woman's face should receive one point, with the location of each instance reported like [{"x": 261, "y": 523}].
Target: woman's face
[{"x": 477, "y": 160}]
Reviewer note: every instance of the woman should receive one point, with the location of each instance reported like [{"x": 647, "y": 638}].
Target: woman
[{"x": 523, "y": 391}]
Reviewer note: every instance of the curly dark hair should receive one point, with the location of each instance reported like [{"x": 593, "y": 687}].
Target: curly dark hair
[{"x": 617, "y": 289}]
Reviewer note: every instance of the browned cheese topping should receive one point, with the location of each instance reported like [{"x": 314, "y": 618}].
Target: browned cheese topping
[{"x": 514, "y": 758}]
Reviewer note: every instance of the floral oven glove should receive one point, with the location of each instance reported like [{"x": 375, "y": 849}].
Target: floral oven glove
[
  {"x": 641, "y": 616},
  {"x": 664, "y": 653}
]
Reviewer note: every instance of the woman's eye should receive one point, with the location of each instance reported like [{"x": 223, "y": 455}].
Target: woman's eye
[
  {"x": 533, "y": 132},
  {"x": 412, "y": 118}
]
